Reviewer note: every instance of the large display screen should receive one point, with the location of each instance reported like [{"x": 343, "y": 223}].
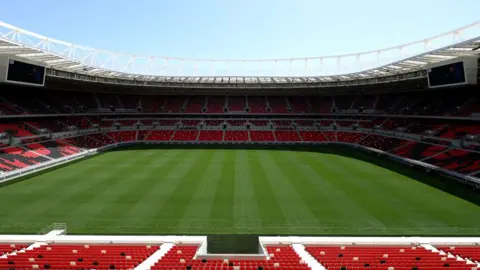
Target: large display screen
[
  {"x": 25, "y": 73},
  {"x": 450, "y": 74}
]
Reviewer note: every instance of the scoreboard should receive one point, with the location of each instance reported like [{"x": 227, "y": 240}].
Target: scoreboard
[
  {"x": 21, "y": 71},
  {"x": 458, "y": 71}
]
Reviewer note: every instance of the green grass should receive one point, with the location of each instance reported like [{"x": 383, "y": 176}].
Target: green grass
[{"x": 261, "y": 191}]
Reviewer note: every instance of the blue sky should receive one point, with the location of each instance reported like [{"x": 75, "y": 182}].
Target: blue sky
[{"x": 239, "y": 29}]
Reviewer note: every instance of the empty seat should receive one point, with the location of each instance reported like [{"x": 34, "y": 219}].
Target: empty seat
[
  {"x": 375, "y": 257},
  {"x": 181, "y": 257},
  {"x": 79, "y": 257}
]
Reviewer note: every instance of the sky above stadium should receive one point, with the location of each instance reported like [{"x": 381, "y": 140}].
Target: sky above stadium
[{"x": 239, "y": 29}]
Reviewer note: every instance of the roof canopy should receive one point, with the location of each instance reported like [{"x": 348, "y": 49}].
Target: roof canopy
[{"x": 413, "y": 56}]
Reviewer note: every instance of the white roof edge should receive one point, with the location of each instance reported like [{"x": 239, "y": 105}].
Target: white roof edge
[{"x": 413, "y": 63}]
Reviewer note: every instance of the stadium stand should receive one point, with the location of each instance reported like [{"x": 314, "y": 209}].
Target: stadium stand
[
  {"x": 86, "y": 142},
  {"x": 257, "y": 104},
  {"x": 81, "y": 111},
  {"x": 277, "y": 104},
  {"x": 237, "y": 104},
  {"x": 238, "y": 123},
  {"x": 53, "y": 149},
  {"x": 449, "y": 143},
  {"x": 261, "y": 136},
  {"x": 386, "y": 257},
  {"x": 284, "y": 257},
  {"x": 13, "y": 158},
  {"x": 298, "y": 104},
  {"x": 185, "y": 135},
  {"x": 214, "y": 122},
  {"x": 195, "y": 104},
  {"x": 8, "y": 248},
  {"x": 287, "y": 136},
  {"x": 457, "y": 160},
  {"x": 211, "y": 135},
  {"x": 175, "y": 104},
  {"x": 216, "y": 104},
  {"x": 312, "y": 136},
  {"x": 322, "y": 104},
  {"x": 158, "y": 135},
  {"x": 259, "y": 123},
  {"x": 466, "y": 252},
  {"x": 123, "y": 136},
  {"x": 79, "y": 257},
  {"x": 17, "y": 130},
  {"x": 238, "y": 136}
]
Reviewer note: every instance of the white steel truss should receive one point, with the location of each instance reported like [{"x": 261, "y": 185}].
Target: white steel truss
[{"x": 410, "y": 57}]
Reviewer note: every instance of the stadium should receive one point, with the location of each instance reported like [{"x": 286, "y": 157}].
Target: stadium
[{"x": 105, "y": 167}]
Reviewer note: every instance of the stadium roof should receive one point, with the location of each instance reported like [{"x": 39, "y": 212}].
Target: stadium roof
[{"x": 405, "y": 58}]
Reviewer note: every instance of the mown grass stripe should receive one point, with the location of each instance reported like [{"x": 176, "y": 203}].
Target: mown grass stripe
[
  {"x": 271, "y": 213},
  {"x": 245, "y": 208},
  {"x": 198, "y": 212},
  {"x": 280, "y": 177},
  {"x": 222, "y": 208},
  {"x": 184, "y": 183},
  {"x": 113, "y": 207}
]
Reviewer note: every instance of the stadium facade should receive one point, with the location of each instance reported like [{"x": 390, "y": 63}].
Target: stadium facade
[{"x": 64, "y": 104}]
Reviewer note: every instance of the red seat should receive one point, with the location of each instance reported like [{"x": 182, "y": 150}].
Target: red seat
[
  {"x": 287, "y": 136},
  {"x": 466, "y": 252},
  {"x": 179, "y": 257},
  {"x": 211, "y": 135},
  {"x": 215, "y": 104},
  {"x": 232, "y": 135},
  {"x": 261, "y": 136},
  {"x": 375, "y": 257},
  {"x": 312, "y": 136},
  {"x": 80, "y": 256},
  {"x": 123, "y": 136},
  {"x": 185, "y": 135},
  {"x": 159, "y": 135}
]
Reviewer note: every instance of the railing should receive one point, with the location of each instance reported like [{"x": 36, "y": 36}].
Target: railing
[{"x": 54, "y": 226}]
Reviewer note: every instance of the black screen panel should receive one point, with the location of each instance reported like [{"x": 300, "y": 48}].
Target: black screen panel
[
  {"x": 233, "y": 244},
  {"x": 450, "y": 74},
  {"x": 22, "y": 72}
]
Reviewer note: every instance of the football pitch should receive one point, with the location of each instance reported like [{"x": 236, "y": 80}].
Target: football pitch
[{"x": 325, "y": 191}]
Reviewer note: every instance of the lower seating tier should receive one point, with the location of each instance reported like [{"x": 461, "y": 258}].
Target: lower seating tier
[
  {"x": 86, "y": 142},
  {"x": 211, "y": 135},
  {"x": 182, "y": 257},
  {"x": 123, "y": 136},
  {"x": 185, "y": 135},
  {"x": 158, "y": 135},
  {"x": 464, "y": 161},
  {"x": 14, "y": 158},
  {"x": 238, "y": 136},
  {"x": 79, "y": 257},
  {"x": 387, "y": 257},
  {"x": 261, "y": 136},
  {"x": 466, "y": 252},
  {"x": 8, "y": 248},
  {"x": 457, "y": 160},
  {"x": 312, "y": 136},
  {"x": 287, "y": 136},
  {"x": 54, "y": 149}
]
